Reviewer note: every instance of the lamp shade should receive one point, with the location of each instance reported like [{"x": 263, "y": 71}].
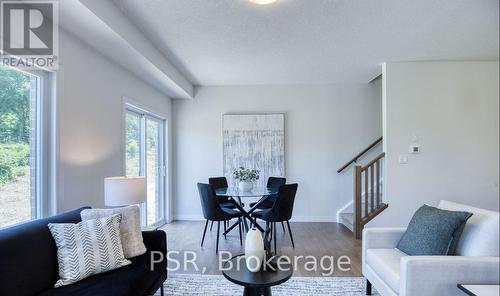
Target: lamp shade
[{"x": 121, "y": 191}]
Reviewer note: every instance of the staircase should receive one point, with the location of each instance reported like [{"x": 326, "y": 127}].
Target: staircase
[
  {"x": 348, "y": 220},
  {"x": 368, "y": 200}
]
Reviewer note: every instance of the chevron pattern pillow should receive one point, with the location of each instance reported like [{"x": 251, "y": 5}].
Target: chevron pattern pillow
[{"x": 87, "y": 248}]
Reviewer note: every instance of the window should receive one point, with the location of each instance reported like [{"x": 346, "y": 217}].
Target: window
[
  {"x": 145, "y": 156},
  {"x": 22, "y": 135}
]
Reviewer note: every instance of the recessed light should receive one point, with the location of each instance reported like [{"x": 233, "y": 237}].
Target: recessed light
[{"x": 262, "y": 2}]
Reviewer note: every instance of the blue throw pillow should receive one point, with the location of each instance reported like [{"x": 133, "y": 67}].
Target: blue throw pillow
[{"x": 433, "y": 231}]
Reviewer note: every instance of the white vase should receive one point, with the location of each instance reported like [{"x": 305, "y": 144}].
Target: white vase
[
  {"x": 254, "y": 250},
  {"x": 245, "y": 185}
]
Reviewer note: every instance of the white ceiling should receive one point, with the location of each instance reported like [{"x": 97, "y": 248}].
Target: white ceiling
[{"x": 224, "y": 42}]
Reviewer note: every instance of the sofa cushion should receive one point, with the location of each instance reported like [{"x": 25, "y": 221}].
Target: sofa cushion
[
  {"x": 87, "y": 248},
  {"x": 385, "y": 262},
  {"x": 130, "y": 227},
  {"x": 28, "y": 256},
  {"x": 134, "y": 279},
  {"x": 480, "y": 236},
  {"x": 433, "y": 231}
]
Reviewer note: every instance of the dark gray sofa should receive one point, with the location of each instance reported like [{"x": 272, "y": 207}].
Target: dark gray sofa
[{"x": 28, "y": 264}]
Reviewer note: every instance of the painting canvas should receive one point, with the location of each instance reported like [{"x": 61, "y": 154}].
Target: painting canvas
[{"x": 255, "y": 141}]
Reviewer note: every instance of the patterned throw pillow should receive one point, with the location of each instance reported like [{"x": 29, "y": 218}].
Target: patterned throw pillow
[
  {"x": 87, "y": 248},
  {"x": 130, "y": 227}
]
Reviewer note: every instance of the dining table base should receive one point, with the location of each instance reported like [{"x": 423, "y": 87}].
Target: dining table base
[
  {"x": 257, "y": 291},
  {"x": 234, "y": 196},
  {"x": 246, "y": 214}
]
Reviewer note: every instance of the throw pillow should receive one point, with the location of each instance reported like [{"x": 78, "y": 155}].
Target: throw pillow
[
  {"x": 433, "y": 231},
  {"x": 87, "y": 248},
  {"x": 130, "y": 227}
]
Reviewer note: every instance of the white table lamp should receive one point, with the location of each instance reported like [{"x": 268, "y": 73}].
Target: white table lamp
[{"x": 122, "y": 191}]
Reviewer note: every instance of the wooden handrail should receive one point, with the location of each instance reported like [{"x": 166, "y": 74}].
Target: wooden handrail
[
  {"x": 360, "y": 154},
  {"x": 381, "y": 155},
  {"x": 374, "y": 213}
]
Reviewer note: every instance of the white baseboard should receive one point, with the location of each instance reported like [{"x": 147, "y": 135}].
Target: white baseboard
[
  {"x": 313, "y": 219},
  {"x": 183, "y": 217}
]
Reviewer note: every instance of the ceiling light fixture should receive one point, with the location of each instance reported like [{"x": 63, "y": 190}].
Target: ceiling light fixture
[{"x": 263, "y": 2}]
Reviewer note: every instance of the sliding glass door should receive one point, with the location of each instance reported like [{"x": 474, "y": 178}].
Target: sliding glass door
[
  {"x": 145, "y": 156},
  {"x": 154, "y": 171}
]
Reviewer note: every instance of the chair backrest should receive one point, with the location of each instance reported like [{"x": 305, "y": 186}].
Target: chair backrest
[
  {"x": 480, "y": 234},
  {"x": 210, "y": 203},
  {"x": 275, "y": 182},
  {"x": 283, "y": 205},
  {"x": 218, "y": 182}
]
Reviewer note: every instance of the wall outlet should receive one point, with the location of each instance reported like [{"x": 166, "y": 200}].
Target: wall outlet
[{"x": 403, "y": 159}]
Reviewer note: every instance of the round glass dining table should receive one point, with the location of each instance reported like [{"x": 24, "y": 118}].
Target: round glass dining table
[{"x": 235, "y": 193}]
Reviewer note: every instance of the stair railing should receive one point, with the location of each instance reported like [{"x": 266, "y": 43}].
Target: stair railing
[
  {"x": 368, "y": 203},
  {"x": 355, "y": 158}
]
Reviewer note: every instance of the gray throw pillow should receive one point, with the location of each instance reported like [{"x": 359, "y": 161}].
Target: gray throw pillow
[
  {"x": 433, "y": 231},
  {"x": 87, "y": 248},
  {"x": 130, "y": 227}
]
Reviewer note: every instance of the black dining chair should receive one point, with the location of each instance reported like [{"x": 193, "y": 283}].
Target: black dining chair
[
  {"x": 273, "y": 183},
  {"x": 212, "y": 211},
  {"x": 281, "y": 211},
  {"x": 218, "y": 182},
  {"x": 221, "y": 182}
]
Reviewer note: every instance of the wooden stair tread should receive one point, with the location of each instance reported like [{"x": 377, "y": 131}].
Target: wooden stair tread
[{"x": 348, "y": 219}]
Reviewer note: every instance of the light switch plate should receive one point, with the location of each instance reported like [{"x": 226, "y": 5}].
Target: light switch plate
[{"x": 403, "y": 159}]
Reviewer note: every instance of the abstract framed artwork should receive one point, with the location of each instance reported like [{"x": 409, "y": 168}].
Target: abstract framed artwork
[{"x": 255, "y": 141}]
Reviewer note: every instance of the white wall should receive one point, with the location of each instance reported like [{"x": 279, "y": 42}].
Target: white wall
[
  {"x": 453, "y": 108},
  {"x": 90, "y": 92},
  {"x": 325, "y": 125}
]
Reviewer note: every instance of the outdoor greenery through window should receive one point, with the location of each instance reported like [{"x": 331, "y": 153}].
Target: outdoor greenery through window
[
  {"x": 133, "y": 144},
  {"x": 18, "y": 120},
  {"x": 144, "y": 156}
]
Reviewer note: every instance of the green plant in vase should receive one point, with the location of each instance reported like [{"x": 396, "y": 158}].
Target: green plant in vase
[{"x": 246, "y": 177}]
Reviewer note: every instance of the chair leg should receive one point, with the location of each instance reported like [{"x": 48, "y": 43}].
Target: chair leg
[
  {"x": 368, "y": 287},
  {"x": 290, "y": 232},
  {"x": 274, "y": 234},
  {"x": 283, "y": 226},
  {"x": 225, "y": 228},
  {"x": 217, "y": 244},
  {"x": 204, "y": 231},
  {"x": 161, "y": 290},
  {"x": 239, "y": 228},
  {"x": 211, "y": 224}
]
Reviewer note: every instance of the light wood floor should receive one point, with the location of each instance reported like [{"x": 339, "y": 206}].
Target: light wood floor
[{"x": 311, "y": 239}]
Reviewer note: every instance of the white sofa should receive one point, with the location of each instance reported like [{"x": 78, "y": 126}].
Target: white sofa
[{"x": 392, "y": 272}]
